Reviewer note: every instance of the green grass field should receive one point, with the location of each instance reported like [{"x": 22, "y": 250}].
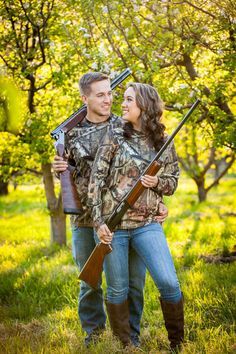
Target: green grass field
[{"x": 39, "y": 286}]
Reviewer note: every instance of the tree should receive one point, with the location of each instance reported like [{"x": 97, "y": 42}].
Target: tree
[
  {"x": 184, "y": 48},
  {"x": 202, "y": 161},
  {"x": 25, "y": 51},
  {"x": 45, "y": 59},
  {"x": 11, "y": 115}
]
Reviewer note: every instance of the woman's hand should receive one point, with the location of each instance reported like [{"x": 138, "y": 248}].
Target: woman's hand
[
  {"x": 104, "y": 234},
  {"x": 149, "y": 181}
]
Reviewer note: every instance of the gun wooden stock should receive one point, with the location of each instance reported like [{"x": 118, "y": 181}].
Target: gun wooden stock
[
  {"x": 70, "y": 199},
  {"x": 91, "y": 272},
  {"x": 129, "y": 200}
]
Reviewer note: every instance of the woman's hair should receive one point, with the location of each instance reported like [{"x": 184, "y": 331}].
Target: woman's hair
[{"x": 151, "y": 106}]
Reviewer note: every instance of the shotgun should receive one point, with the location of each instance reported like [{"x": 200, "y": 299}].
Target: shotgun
[
  {"x": 70, "y": 198},
  {"x": 91, "y": 272}
]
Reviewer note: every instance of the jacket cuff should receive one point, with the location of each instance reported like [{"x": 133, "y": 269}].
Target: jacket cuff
[{"x": 99, "y": 222}]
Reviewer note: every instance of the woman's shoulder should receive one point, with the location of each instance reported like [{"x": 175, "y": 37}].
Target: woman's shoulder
[
  {"x": 117, "y": 134},
  {"x": 116, "y": 120},
  {"x": 112, "y": 136},
  {"x": 115, "y": 128}
]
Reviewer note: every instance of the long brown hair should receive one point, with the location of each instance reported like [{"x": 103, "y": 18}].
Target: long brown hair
[{"x": 151, "y": 106}]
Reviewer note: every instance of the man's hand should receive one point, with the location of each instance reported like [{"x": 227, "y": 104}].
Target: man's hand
[
  {"x": 104, "y": 234},
  {"x": 59, "y": 164},
  {"x": 163, "y": 213}
]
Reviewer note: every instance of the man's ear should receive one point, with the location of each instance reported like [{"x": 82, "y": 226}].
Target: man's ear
[{"x": 84, "y": 99}]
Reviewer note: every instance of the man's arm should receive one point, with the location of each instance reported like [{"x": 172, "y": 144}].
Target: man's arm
[{"x": 163, "y": 213}]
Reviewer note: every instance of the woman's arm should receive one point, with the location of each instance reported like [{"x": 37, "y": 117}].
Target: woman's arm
[
  {"x": 166, "y": 180},
  {"x": 99, "y": 174}
]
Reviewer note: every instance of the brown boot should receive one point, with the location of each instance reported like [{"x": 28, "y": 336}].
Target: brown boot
[
  {"x": 119, "y": 321},
  {"x": 174, "y": 321}
]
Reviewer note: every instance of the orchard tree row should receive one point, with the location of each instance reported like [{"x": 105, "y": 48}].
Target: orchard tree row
[{"x": 185, "y": 49}]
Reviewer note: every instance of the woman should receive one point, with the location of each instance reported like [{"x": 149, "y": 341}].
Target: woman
[{"x": 120, "y": 160}]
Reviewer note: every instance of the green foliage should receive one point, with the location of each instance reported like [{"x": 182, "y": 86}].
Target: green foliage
[
  {"x": 185, "y": 49},
  {"x": 11, "y": 108},
  {"x": 15, "y": 157},
  {"x": 39, "y": 286}
]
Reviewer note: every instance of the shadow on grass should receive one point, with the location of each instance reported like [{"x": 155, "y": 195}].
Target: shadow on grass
[
  {"x": 33, "y": 289},
  {"x": 209, "y": 299},
  {"x": 199, "y": 236}
]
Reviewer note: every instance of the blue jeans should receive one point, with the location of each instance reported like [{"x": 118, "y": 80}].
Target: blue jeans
[
  {"x": 90, "y": 308},
  {"x": 150, "y": 245}
]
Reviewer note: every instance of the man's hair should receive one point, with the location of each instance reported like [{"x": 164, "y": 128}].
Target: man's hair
[{"x": 87, "y": 79}]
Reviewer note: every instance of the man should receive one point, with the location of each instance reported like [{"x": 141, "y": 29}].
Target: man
[{"x": 81, "y": 144}]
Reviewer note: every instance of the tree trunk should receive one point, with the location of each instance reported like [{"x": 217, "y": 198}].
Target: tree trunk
[
  {"x": 3, "y": 187},
  {"x": 202, "y": 192},
  {"x": 58, "y": 226},
  {"x": 54, "y": 204}
]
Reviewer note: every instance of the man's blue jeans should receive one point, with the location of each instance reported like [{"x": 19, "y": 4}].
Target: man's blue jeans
[
  {"x": 150, "y": 245},
  {"x": 90, "y": 309}
]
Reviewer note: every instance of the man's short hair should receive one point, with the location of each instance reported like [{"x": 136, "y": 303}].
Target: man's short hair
[{"x": 87, "y": 79}]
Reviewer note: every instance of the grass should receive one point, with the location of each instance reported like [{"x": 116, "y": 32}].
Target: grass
[{"x": 39, "y": 287}]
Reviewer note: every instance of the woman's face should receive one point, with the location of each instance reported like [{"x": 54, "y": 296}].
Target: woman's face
[{"x": 131, "y": 112}]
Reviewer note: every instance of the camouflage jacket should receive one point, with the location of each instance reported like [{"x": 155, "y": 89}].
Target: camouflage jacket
[
  {"x": 118, "y": 164},
  {"x": 81, "y": 145}
]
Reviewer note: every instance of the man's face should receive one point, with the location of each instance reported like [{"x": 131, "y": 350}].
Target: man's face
[{"x": 99, "y": 100}]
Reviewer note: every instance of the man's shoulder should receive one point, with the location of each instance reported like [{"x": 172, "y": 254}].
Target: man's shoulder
[
  {"x": 86, "y": 127},
  {"x": 81, "y": 128},
  {"x": 75, "y": 131}
]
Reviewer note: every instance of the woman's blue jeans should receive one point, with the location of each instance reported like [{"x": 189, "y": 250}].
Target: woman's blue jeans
[
  {"x": 150, "y": 244},
  {"x": 90, "y": 308}
]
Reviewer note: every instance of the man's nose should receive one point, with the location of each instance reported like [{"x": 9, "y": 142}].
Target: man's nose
[{"x": 107, "y": 98}]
